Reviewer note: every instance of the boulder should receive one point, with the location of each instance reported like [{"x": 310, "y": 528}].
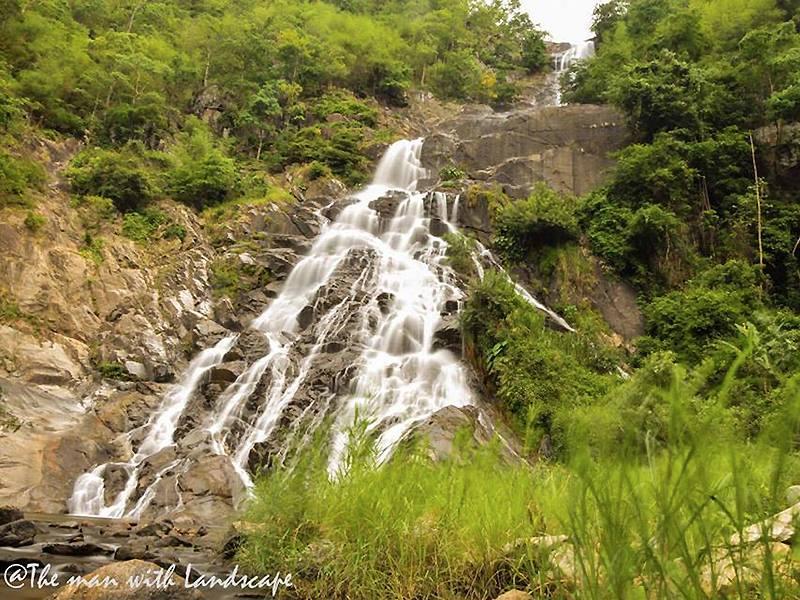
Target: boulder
[
  {"x": 226, "y": 372},
  {"x": 18, "y": 533},
  {"x": 448, "y": 335},
  {"x": 10, "y": 513},
  {"x": 78, "y": 549}
]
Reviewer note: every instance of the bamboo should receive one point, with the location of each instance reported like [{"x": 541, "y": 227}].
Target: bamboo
[{"x": 758, "y": 202}]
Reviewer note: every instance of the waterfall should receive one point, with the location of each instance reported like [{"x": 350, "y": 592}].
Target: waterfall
[
  {"x": 575, "y": 53},
  {"x": 388, "y": 313},
  {"x": 564, "y": 60}
]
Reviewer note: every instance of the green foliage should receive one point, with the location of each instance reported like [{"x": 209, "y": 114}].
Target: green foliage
[
  {"x": 535, "y": 371},
  {"x": 439, "y": 525},
  {"x": 451, "y": 173},
  {"x": 34, "y": 221},
  {"x": 115, "y": 74},
  {"x": 92, "y": 248},
  {"x": 143, "y": 226},
  {"x": 17, "y": 177},
  {"x": 545, "y": 218},
  {"x": 660, "y": 95},
  {"x": 112, "y": 370},
  {"x": 460, "y": 249},
  {"x": 460, "y": 76},
  {"x": 707, "y": 309},
  {"x": 202, "y": 174},
  {"x": 224, "y": 278},
  {"x": 655, "y": 488},
  {"x": 125, "y": 176}
]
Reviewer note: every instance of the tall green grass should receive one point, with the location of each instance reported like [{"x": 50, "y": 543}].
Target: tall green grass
[{"x": 651, "y": 519}]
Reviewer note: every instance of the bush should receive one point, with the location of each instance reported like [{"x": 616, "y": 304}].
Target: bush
[
  {"x": 125, "y": 177},
  {"x": 535, "y": 372},
  {"x": 707, "y": 309},
  {"x": 34, "y": 221},
  {"x": 451, "y": 173},
  {"x": 17, "y": 177},
  {"x": 142, "y": 226},
  {"x": 459, "y": 253},
  {"x": 202, "y": 174},
  {"x": 545, "y": 218}
]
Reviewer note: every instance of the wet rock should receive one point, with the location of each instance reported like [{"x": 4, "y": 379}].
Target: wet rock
[
  {"x": 448, "y": 336},
  {"x": 438, "y": 433},
  {"x": 225, "y": 314},
  {"x": 227, "y": 372},
  {"x": 305, "y": 317},
  {"x": 387, "y": 205},
  {"x": 208, "y": 333},
  {"x": 174, "y": 541},
  {"x": 280, "y": 261},
  {"x": 115, "y": 478},
  {"x": 272, "y": 289},
  {"x": 212, "y": 475},
  {"x": 122, "y": 573},
  {"x": 10, "y": 513},
  {"x": 233, "y": 542},
  {"x": 135, "y": 549},
  {"x": 80, "y": 549},
  {"x": 18, "y": 533},
  {"x": 438, "y": 227},
  {"x": 385, "y": 300}
]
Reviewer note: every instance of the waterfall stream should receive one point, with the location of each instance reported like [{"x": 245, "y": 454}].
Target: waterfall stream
[
  {"x": 389, "y": 312},
  {"x": 564, "y": 60}
]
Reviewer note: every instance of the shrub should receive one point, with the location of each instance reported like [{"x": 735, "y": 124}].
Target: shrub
[
  {"x": 459, "y": 253},
  {"x": 125, "y": 177},
  {"x": 34, "y": 221},
  {"x": 202, "y": 174},
  {"x": 93, "y": 248},
  {"x": 535, "y": 371},
  {"x": 545, "y": 218},
  {"x": 451, "y": 173},
  {"x": 17, "y": 176},
  {"x": 112, "y": 370},
  {"x": 142, "y": 226},
  {"x": 707, "y": 309}
]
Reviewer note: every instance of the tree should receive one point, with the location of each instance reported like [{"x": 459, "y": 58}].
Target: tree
[
  {"x": 202, "y": 174},
  {"x": 660, "y": 95}
]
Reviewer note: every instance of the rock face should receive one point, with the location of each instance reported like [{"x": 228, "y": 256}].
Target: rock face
[
  {"x": 90, "y": 341},
  {"x": 567, "y": 147}
]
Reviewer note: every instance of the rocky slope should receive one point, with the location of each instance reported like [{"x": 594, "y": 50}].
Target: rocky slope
[{"x": 93, "y": 334}]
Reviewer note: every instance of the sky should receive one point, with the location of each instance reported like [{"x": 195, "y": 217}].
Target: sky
[{"x": 566, "y": 20}]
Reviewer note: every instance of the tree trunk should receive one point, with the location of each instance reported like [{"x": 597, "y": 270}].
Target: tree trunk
[{"x": 758, "y": 202}]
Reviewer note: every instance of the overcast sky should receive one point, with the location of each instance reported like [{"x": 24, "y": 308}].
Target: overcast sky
[{"x": 566, "y": 20}]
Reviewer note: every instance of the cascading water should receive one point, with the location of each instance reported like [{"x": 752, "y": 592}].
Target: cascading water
[
  {"x": 388, "y": 314},
  {"x": 564, "y": 60},
  {"x": 576, "y": 52}
]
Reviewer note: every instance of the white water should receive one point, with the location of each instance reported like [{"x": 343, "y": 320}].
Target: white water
[
  {"x": 400, "y": 379},
  {"x": 88, "y": 497},
  {"x": 564, "y": 60}
]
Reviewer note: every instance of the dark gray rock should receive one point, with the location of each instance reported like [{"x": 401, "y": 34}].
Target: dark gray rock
[
  {"x": 18, "y": 533},
  {"x": 10, "y": 513},
  {"x": 61, "y": 549}
]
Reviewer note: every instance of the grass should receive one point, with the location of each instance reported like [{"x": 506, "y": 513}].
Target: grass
[{"x": 640, "y": 522}]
